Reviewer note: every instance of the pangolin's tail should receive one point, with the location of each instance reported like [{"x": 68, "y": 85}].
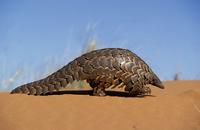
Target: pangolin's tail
[
  {"x": 54, "y": 82},
  {"x": 157, "y": 82}
]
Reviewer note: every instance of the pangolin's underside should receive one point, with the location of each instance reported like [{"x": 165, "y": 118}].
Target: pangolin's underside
[{"x": 102, "y": 69}]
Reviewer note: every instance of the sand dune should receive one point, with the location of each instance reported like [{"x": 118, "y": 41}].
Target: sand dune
[{"x": 175, "y": 108}]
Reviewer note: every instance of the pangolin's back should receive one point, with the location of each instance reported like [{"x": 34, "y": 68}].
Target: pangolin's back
[{"x": 105, "y": 68}]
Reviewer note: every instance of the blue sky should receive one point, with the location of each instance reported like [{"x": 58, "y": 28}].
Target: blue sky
[{"x": 165, "y": 33}]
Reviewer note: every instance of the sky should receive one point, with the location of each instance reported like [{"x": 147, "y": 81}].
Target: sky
[{"x": 37, "y": 35}]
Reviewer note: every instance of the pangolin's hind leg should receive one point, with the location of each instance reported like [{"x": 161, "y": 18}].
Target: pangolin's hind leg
[
  {"x": 137, "y": 89},
  {"x": 98, "y": 88}
]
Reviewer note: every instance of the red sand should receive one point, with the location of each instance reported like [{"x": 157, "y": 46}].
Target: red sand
[{"x": 175, "y": 108}]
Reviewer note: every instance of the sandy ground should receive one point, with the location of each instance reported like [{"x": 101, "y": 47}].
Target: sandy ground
[{"x": 175, "y": 108}]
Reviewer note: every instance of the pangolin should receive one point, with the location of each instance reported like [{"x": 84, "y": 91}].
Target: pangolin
[{"x": 102, "y": 69}]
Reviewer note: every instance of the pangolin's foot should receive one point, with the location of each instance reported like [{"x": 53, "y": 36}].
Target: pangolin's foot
[{"x": 99, "y": 92}]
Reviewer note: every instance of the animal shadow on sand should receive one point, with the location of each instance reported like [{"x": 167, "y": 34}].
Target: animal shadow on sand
[{"x": 89, "y": 92}]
